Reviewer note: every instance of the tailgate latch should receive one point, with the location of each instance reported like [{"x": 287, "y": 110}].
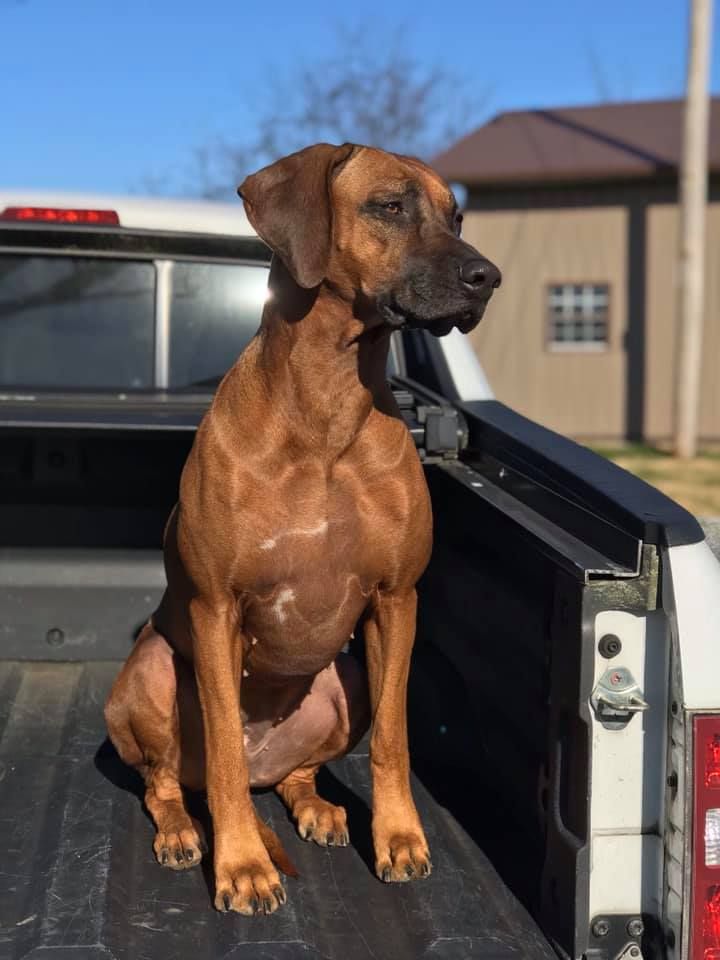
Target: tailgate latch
[{"x": 617, "y": 698}]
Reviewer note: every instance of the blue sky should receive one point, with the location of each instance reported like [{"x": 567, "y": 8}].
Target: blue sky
[{"x": 111, "y": 94}]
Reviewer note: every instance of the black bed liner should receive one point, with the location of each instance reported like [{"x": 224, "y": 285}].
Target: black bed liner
[{"x": 78, "y": 879}]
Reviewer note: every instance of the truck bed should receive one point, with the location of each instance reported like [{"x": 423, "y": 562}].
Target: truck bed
[
  {"x": 79, "y": 880},
  {"x": 534, "y": 538}
]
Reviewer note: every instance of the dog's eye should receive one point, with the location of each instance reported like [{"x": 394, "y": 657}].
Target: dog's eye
[
  {"x": 393, "y": 206},
  {"x": 458, "y": 223}
]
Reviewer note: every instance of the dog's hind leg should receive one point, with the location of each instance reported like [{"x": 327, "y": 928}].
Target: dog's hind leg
[
  {"x": 336, "y": 716},
  {"x": 143, "y": 721},
  {"x": 316, "y": 819}
]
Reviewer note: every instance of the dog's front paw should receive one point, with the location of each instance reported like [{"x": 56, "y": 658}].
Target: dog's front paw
[
  {"x": 402, "y": 856},
  {"x": 248, "y": 888}
]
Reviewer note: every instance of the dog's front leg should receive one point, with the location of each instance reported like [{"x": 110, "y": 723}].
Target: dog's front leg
[
  {"x": 245, "y": 879},
  {"x": 401, "y": 850}
]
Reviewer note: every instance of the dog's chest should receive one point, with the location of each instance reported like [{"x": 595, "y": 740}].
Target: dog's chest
[
  {"x": 312, "y": 584},
  {"x": 315, "y": 567}
]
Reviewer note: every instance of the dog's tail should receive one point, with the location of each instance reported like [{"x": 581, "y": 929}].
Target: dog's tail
[{"x": 275, "y": 848}]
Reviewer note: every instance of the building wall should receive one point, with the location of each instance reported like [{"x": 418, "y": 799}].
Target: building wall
[
  {"x": 582, "y": 394},
  {"x": 661, "y": 347}
]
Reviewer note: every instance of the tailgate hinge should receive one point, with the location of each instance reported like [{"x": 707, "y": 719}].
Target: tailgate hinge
[
  {"x": 443, "y": 434},
  {"x": 439, "y": 431}
]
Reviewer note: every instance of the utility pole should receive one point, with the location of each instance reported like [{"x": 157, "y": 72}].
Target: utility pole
[{"x": 693, "y": 200}]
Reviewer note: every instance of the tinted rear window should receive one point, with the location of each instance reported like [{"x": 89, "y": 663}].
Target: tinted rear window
[
  {"x": 88, "y": 323},
  {"x": 215, "y": 311},
  {"x": 80, "y": 322}
]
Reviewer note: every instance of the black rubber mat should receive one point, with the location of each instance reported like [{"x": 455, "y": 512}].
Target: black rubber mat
[{"x": 78, "y": 878}]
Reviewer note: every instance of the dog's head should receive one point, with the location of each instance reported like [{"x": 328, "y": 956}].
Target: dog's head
[{"x": 380, "y": 229}]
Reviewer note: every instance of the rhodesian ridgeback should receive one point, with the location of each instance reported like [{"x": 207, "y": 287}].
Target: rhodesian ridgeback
[{"x": 303, "y": 511}]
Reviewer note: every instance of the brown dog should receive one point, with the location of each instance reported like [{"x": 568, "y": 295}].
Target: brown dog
[{"x": 303, "y": 507}]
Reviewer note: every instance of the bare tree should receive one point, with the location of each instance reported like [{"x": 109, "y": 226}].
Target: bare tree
[
  {"x": 604, "y": 89},
  {"x": 390, "y": 98}
]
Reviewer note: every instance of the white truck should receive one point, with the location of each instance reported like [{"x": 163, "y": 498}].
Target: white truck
[{"x": 564, "y": 703}]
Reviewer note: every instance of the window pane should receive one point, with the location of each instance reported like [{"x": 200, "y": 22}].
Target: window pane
[
  {"x": 76, "y": 322},
  {"x": 392, "y": 368},
  {"x": 215, "y": 311},
  {"x": 578, "y": 312},
  {"x": 419, "y": 361}
]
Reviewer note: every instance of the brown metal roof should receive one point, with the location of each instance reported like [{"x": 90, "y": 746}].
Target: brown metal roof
[{"x": 607, "y": 142}]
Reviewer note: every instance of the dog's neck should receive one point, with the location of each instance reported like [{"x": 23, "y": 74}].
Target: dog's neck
[{"x": 320, "y": 363}]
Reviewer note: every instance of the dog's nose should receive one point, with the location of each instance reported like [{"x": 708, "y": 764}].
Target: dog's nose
[{"x": 480, "y": 274}]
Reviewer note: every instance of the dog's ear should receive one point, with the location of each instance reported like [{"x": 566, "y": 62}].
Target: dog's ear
[{"x": 288, "y": 203}]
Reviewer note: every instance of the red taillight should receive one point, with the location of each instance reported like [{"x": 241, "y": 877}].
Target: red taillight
[
  {"x": 711, "y": 924},
  {"x": 60, "y": 215},
  {"x": 705, "y": 905},
  {"x": 712, "y": 761}
]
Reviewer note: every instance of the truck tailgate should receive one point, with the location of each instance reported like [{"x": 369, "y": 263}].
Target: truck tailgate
[{"x": 78, "y": 878}]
